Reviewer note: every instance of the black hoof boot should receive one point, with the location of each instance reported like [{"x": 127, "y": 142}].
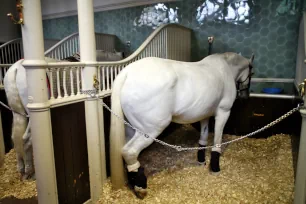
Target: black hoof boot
[
  {"x": 201, "y": 156},
  {"x": 138, "y": 182},
  {"x": 214, "y": 162}
]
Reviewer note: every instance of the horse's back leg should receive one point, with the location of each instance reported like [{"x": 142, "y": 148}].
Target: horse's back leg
[
  {"x": 220, "y": 121},
  {"x": 18, "y": 129},
  {"x": 130, "y": 152},
  {"x": 203, "y": 141},
  {"x": 28, "y": 154}
]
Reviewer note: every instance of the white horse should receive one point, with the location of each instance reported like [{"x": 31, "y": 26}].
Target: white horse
[
  {"x": 15, "y": 86},
  {"x": 152, "y": 92}
]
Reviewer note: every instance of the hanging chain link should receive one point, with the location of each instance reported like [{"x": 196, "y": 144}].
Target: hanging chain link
[{"x": 92, "y": 93}]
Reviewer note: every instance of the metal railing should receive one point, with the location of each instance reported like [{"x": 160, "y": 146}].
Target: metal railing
[
  {"x": 170, "y": 41},
  {"x": 70, "y": 45},
  {"x": 12, "y": 51}
]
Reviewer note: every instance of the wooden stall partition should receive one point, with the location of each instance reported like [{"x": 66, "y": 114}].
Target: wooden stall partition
[{"x": 70, "y": 153}]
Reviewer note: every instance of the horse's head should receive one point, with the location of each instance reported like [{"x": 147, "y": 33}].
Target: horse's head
[
  {"x": 243, "y": 68},
  {"x": 244, "y": 79}
]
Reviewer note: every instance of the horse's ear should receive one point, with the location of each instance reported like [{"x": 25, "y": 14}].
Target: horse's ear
[
  {"x": 252, "y": 58},
  {"x": 239, "y": 53}
]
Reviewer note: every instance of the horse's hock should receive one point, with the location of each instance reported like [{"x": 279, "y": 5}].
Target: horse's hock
[{"x": 75, "y": 126}]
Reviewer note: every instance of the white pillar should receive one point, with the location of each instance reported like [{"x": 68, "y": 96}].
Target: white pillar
[
  {"x": 88, "y": 56},
  {"x": 300, "y": 180},
  {"x": 2, "y": 147},
  {"x": 34, "y": 62}
]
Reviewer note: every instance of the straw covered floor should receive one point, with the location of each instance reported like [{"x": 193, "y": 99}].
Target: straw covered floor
[
  {"x": 252, "y": 171},
  {"x": 10, "y": 183}
]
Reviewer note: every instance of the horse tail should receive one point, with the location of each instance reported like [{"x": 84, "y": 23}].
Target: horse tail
[
  {"x": 117, "y": 131},
  {"x": 14, "y": 101}
]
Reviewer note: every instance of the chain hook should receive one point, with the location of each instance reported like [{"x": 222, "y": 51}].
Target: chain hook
[
  {"x": 301, "y": 89},
  {"x": 96, "y": 82}
]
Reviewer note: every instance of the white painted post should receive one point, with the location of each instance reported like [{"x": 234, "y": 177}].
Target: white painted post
[
  {"x": 300, "y": 180},
  {"x": 2, "y": 147},
  {"x": 39, "y": 107},
  {"x": 88, "y": 56}
]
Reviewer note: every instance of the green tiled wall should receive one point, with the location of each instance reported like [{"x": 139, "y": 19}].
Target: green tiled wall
[{"x": 270, "y": 35}]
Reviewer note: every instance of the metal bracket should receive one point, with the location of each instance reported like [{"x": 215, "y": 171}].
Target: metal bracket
[
  {"x": 210, "y": 39},
  {"x": 302, "y": 88},
  {"x": 19, "y": 7},
  {"x": 96, "y": 82}
]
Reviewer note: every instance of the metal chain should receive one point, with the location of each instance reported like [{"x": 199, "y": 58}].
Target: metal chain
[
  {"x": 7, "y": 107},
  {"x": 180, "y": 148}
]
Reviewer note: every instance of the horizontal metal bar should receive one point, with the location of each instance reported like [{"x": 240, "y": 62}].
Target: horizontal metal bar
[
  {"x": 272, "y": 80},
  {"x": 66, "y": 64},
  {"x": 5, "y": 65},
  {"x": 279, "y": 96}
]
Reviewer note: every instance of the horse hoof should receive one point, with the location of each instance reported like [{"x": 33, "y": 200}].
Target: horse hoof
[
  {"x": 215, "y": 173},
  {"x": 28, "y": 176},
  {"x": 202, "y": 163},
  {"x": 21, "y": 176},
  {"x": 137, "y": 181},
  {"x": 140, "y": 192},
  {"x": 214, "y": 162}
]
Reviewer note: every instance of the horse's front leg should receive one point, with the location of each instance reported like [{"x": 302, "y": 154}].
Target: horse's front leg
[
  {"x": 220, "y": 121},
  {"x": 203, "y": 141}
]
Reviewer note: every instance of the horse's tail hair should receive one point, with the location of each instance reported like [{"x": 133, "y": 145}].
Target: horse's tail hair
[
  {"x": 117, "y": 130},
  {"x": 14, "y": 101}
]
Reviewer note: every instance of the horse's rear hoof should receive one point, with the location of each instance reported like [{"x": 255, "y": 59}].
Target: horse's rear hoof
[
  {"x": 214, "y": 162},
  {"x": 137, "y": 181},
  {"x": 140, "y": 192},
  {"x": 30, "y": 176}
]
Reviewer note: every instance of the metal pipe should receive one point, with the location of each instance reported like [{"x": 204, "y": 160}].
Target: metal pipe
[
  {"x": 300, "y": 181},
  {"x": 278, "y": 96},
  {"x": 281, "y": 80}
]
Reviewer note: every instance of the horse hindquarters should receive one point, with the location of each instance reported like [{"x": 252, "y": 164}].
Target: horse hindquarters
[{"x": 19, "y": 121}]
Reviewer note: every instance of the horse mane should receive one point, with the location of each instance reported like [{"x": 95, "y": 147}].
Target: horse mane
[{"x": 235, "y": 59}]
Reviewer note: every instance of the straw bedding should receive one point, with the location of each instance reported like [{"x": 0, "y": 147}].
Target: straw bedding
[
  {"x": 252, "y": 171},
  {"x": 10, "y": 183}
]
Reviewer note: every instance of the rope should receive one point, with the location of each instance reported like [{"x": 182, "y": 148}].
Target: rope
[{"x": 92, "y": 93}]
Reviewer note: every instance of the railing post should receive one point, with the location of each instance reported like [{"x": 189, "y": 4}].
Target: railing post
[
  {"x": 38, "y": 104},
  {"x": 300, "y": 180},
  {"x": 96, "y": 156}
]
